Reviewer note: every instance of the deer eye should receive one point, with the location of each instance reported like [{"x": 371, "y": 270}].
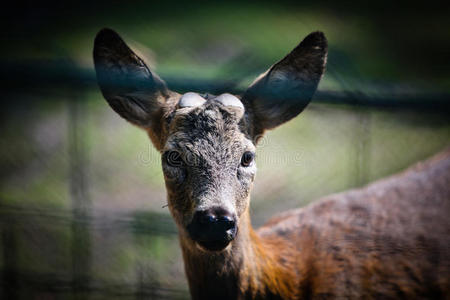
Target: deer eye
[
  {"x": 173, "y": 158},
  {"x": 247, "y": 158}
]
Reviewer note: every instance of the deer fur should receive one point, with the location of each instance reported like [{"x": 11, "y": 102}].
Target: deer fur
[{"x": 388, "y": 240}]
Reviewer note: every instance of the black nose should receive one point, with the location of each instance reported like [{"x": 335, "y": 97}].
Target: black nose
[
  {"x": 213, "y": 229},
  {"x": 221, "y": 222}
]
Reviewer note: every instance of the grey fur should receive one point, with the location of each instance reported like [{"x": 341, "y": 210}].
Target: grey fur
[{"x": 211, "y": 144}]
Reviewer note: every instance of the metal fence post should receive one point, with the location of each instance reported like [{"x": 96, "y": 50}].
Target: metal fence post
[{"x": 81, "y": 243}]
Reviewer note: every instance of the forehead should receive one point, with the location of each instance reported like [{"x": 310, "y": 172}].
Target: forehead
[{"x": 211, "y": 125}]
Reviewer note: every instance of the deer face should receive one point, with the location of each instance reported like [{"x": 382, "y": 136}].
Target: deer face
[
  {"x": 208, "y": 163},
  {"x": 207, "y": 144}
]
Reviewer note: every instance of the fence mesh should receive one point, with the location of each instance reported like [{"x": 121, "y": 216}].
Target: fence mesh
[{"x": 83, "y": 210}]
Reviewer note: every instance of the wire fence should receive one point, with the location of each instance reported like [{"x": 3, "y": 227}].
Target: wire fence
[
  {"x": 82, "y": 215},
  {"x": 45, "y": 76},
  {"x": 20, "y": 283}
]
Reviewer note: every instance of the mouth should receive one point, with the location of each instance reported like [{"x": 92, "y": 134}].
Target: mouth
[
  {"x": 213, "y": 246},
  {"x": 214, "y": 242}
]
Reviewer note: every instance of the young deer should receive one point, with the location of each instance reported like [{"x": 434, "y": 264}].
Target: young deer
[{"x": 388, "y": 240}]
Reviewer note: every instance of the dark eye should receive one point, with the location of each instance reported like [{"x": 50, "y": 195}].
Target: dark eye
[
  {"x": 247, "y": 158},
  {"x": 173, "y": 158}
]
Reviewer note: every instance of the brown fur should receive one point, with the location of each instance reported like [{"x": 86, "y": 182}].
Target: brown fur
[
  {"x": 389, "y": 240},
  {"x": 386, "y": 241}
]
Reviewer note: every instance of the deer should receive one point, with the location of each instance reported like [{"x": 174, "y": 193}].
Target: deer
[{"x": 389, "y": 239}]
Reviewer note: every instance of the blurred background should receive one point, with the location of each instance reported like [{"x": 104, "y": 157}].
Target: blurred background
[{"x": 82, "y": 200}]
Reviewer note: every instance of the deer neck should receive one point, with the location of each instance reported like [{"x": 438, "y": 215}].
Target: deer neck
[{"x": 252, "y": 266}]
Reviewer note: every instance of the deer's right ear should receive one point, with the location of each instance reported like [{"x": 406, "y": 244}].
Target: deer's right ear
[{"x": 131, "y": 89}]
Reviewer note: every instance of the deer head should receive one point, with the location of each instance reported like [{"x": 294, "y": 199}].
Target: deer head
[{"x": 207, "y": 143}]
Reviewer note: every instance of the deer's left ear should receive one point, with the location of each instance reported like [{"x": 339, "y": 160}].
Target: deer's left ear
[
  {"x": 131, "y": 89},
  {"x": 287, "y": 87}
]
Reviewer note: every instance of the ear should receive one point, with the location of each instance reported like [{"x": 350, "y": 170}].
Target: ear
[
  {"x": 287, "y": 87},
  {"x": 128, "y": 85}
]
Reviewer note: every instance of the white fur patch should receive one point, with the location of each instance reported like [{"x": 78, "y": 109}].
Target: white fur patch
[
  {"x": 230, "y": 100},
  {"x": 190, "y": 100}
]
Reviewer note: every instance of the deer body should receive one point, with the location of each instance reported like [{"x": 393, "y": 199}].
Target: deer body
[{"x": 388, "y": 240}]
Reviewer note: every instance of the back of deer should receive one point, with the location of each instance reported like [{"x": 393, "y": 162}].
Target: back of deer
[{"x": 389, "y": 240}]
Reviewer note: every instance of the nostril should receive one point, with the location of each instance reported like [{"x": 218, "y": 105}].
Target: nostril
[
  {"x": 207, "y": 219},
  {"x": 228, "y": 222},
  {"x": 216, "y": 221}
]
